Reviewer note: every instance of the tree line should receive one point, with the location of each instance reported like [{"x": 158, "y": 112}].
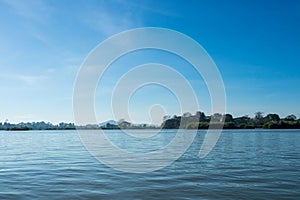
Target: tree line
[
  {"x": 187, "y": 121},
  {"x": 227, "y": 121},
  {"x": 24, "y": 126}
]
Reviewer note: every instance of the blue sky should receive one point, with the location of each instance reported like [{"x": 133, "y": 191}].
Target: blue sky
[{"x": 255, "y": 44}]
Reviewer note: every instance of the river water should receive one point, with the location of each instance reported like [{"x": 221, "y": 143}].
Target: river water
[{"x": 245, "y": 164}]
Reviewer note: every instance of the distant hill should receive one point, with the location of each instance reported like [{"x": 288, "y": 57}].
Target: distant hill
[
  {"x": 145, "y": 125},
  {"x": 111, "y": 122}
]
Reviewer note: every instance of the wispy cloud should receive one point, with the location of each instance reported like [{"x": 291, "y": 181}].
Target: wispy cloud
[
  {"x": 34, "y": 10},
  {"x": 124, "y": 15},
  {"x": 9, "y": 77},
  {"x": 34, "y": 14},
  {"x": 29, "y": 79},
  {"x": 159, "y": 7},
  {"x": 23, "y": 118},
  {"x": 109, "y": 21}
]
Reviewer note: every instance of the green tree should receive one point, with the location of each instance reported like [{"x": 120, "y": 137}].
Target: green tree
[
  {"x": 271, "y": 117},
  {"x": 217, "y": 117},
  {"x": 290, "y": 118},
  {"x": 228, "y": 118},
  {"x": 258, "y": 115}
]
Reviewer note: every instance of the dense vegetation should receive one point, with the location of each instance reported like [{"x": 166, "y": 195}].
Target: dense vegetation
[
  {"x": 122, "y": 124},
  {"x": 201, "y": 121},
  {"x": 35, "y": 126},
  {"x": 186, "y": 121}
]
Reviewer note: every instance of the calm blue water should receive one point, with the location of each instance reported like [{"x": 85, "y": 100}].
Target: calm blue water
[{"x": 245, "y": 164}]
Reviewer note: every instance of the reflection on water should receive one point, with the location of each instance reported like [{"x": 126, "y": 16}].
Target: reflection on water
[{"x": 245, "y": 164}]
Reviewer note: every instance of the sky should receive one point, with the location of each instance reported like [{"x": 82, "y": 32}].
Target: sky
[{"x": 255, "y": 45}]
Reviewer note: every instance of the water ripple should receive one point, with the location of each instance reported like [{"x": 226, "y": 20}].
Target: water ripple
[{"x": 244, "y": 165}]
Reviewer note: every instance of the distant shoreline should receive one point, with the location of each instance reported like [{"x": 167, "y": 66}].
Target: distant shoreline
[
  {"x": 21, "y": 130},
  {"x": 187, "y": 121}
]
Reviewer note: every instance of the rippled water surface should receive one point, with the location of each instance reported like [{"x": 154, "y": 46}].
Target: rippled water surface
[{"x": 245, "y": 164}]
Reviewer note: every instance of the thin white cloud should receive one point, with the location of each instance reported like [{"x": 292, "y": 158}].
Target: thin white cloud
[
  {"x": 23, "y": 118},
  {"x": 34, "y": 10},
  {"x": 34, "y": 14},
  {"x": 111, "y": 17},
  {"x": 10, "y": 77},
  {"x": 110, "y": 21},
  {"x": 50, "y": 70},
  {"x": 156, "y": 7},
  {"x": 30, "y": 80},
  {"x": 38, "y": 35}
]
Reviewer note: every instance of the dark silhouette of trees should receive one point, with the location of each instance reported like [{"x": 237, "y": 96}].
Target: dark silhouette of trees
[
  {"x": 186, "y": 121},
  {"x": 291, "y": 118},
  {"x": 24, "y": 126},
  {"x": 217, "y": 117},
  {"x": 201, "y": 121},
  {"x": 172, "y": 123},
  {"x": 272, "y": 117},
  {"x": 228, "y": 118},
  {"x": 258, "y": 115},
  {"x": 201, "y": 116}
]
